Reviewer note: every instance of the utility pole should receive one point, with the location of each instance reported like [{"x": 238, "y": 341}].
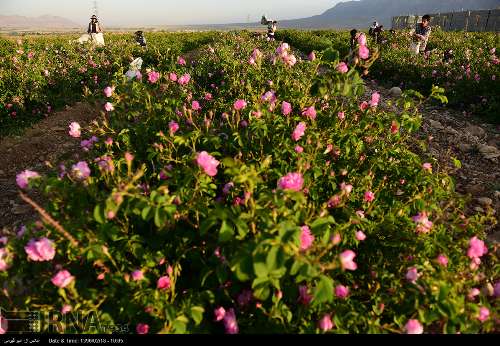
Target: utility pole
[{"x": 94, "y": 9}]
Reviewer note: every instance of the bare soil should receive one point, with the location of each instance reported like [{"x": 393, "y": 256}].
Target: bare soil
[{"x": 41, "y": 147}]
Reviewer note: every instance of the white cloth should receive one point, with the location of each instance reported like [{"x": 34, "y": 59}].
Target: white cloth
[
  {"x": 135, "y": 66},
  {"x": 97, "y": 39}
]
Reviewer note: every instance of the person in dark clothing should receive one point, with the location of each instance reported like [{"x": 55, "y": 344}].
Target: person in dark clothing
[
  {"x": 94, "y": 26},
  {"x": 140, "y": 39},
  {"x": 271, "y": 29},
  {"x": 354, "y": 39}
]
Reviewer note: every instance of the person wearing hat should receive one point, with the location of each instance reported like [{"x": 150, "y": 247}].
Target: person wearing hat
[
  {"x": 94, "y": 26},
  {"x": 140, "y": 39},
  {"x": 271, "y": 30}
]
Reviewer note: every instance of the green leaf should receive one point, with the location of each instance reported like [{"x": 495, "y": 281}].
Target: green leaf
[
  {"x": 197, "y": 314},
  {"x": 324, "y": 290},
  {"x": 260, "y": 269},
  {"x": 226, "y": 232},
  {"x": 99, "y": 214}
]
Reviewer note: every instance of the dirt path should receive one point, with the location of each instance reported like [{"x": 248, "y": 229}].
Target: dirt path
[
  {"x": 42, "y": 146},
  {"x": 450, "y": 133}
]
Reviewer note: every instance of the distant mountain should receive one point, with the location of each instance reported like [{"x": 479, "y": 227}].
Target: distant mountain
[
  {"x": 42, "y": 22},
  {"x": 360, "y": 14}
]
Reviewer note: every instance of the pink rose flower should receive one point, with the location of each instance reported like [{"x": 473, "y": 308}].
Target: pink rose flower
[
  {"x": 336, "y": 239},
  {"x": 360, "y": 236},
  {"x": 412, "y": 275},
  {"x": 62, "y": 279},
  {"x": 423, "y": 223},
  {"x": 163, "y": 283},
  {"x": 153, "y": 76},
  {"x": 306, "y": 238},
  {"x": 299, "y": 131},
  {"x": 364, "y": 106},
  {"x": 181, "y": 61},
  {"x": 427, "y": 166},
  {"x": 364, "y": 52},
  {"x": 172, "y": 76},
  {"x": 311, "y": 56},
  {"x": 304, "y": 297},
  {"x": 40, "y": 250},
  {"x": 309, "y": 112},
  {"x": 347, "y": 260},
  {"x": 208, "y": 163},
  {"x": 476, "y": 248},
  {"x": 4, "y": 326},
  {"x": 137, "y": 275},
  {"x": 346, "y": 188},
  {"x": 65, "y": 309},
  {"x": 484, "y": 314},
  {"x": 219, "y": 313},
  {"x": 24, "y": 177},
  {"x": 369, "y": 196},
  {"x": 291, "y": 181},
  {"x": 108, "y": 107},
  {"x": 81, "y": 170},
  {"x": 108, "y": 91},
  {"x": 173, "y": 127},
  {"x": 341, "y": 291},
  {"x": 142, "y": 328},
  {"x": 442, "y": 260},
  {"x": 298, "y": 149},
  {"x": 342, "y": 67},
  {"x": 230, "y": 322},
  {"x": 184, "y": 79},
  {"x": 286, "y": 108},
  {"x": 240, "y": 104},
  {"x": 195, "y": 105},
  {"x": 341, "y": 115},
  {"x": 4, "y": 254},
  {"x": 74, "y": 130},
  {"x": 325, "y": 323},
  {"x": 375, "y": 99},
  {"x": 414, "y": 327},
  {"x": 362, "y": 39}
]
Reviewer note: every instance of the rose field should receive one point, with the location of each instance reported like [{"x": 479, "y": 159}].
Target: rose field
[{"x": 234, "y": 185}]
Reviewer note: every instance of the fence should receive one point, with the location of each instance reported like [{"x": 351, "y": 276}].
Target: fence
[{"x": 483, "y": 20}]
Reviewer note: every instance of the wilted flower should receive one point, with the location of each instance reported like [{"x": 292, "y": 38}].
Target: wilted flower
[
  {"x": 304, "y": 297},
  {"x": 311, "y": 56}
]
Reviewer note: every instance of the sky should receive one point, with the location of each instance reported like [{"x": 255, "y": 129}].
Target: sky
[{"x": 167, "y": 12}]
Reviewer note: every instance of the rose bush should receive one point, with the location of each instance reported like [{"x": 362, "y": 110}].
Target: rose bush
[{"x": 207, "y": 219}]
